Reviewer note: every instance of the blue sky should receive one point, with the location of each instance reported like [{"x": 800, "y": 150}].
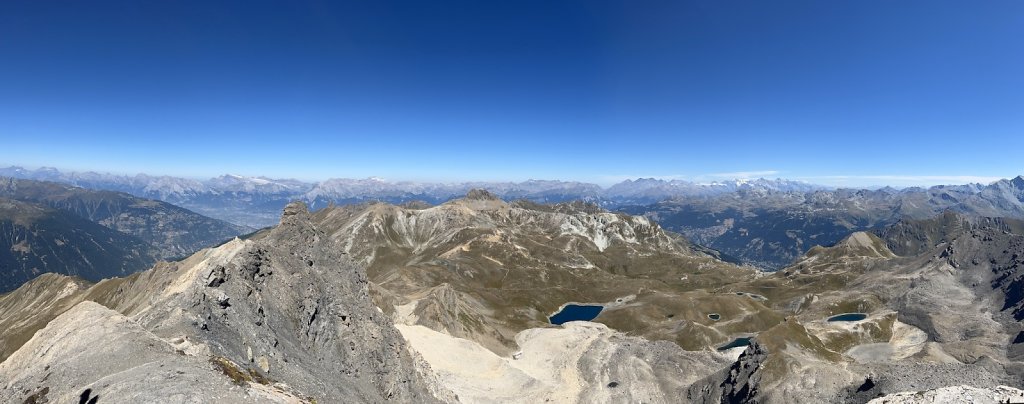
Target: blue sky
[{"x": 835, "y": 92}]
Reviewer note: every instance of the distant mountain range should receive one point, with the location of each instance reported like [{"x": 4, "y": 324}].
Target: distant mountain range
[
  {"x": 761, "y": 222},
  {"x": 53, "y": 227},
  {"x": 772, "y": 228},
  {"x": 257, "y": 201}
]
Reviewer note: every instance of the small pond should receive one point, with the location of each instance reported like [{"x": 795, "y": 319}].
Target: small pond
[
  {"x": 848, "y": 317},
  {"x": 736, "y": 343},
  {"x": 576, "y": 312},
  {"x": 754, "y": 296},
  {"x": 715, "y": 316}
]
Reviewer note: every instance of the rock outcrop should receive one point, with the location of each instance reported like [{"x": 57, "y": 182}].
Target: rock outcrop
[
  {"x": 738, "y": 383},
  {"x": 93, "y": 353},
  {"x": 955, "y": 395}
]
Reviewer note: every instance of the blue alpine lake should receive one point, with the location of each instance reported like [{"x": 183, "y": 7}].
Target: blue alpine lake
[
  {"x": 575, "y": 312},
  {"x": 736, "y": 343},
  {"x": 848, "y": 317}
]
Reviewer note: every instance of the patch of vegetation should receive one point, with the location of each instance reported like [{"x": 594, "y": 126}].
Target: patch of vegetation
[
  {"x": 792, "y": 333},
  {"x": 236, "y": 374},
  {"x": 469, "y": 322},
  {"x": 872, "y": 331},
  {"x": 226, "y": 366}
]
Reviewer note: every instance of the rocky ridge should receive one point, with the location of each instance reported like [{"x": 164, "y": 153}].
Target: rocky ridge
[{"x": 284, "y": 316}]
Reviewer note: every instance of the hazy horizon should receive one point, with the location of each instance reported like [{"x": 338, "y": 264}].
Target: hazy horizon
[{"x": 868, "y": 182}]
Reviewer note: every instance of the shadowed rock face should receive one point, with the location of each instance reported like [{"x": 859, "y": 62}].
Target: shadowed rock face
[
  {"x": 36, "y": 239},
  {"x": 739, "y": 382},
  {"x": 289, "y": 312}
]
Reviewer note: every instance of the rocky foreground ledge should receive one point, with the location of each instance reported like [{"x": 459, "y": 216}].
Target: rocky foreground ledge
[{"x": 956, "y": 395}]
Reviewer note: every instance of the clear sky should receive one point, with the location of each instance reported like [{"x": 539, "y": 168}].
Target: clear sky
[{"x": 856, "y": 92}]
